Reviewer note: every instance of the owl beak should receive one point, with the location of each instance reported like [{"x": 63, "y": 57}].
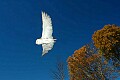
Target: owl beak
[{"x": 35, "y": 42}]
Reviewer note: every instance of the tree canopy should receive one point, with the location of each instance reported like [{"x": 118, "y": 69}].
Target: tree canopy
[
  {"x": 99, "y": 60},
  {"x": 108, "y": 41}
]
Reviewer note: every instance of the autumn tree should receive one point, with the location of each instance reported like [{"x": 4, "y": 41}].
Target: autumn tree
[
  {"x": 100, "y": 60},
  {"x": 87, "y": 64},
  {"x": 107, "y": 40}
]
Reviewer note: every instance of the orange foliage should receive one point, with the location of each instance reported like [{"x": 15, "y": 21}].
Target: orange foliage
[
  {"x": 79, "y": 63},
  {"x": 107, "y": 39},
  {"x": 88, "y": 64}
]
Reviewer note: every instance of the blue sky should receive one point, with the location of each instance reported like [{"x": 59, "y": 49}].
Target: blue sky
[{"x": 74, "y": 22}]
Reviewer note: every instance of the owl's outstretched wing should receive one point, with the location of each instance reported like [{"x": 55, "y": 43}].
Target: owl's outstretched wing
[
  {"x": 47, "y": 26},
  {"x": 47, "y": 47}
]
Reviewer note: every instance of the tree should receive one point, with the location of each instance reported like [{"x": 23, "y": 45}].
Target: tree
[
  {"x": 59, "y": 72},
  {"x": 87, "y": 64},
  {"x": 107, "y": 40}
]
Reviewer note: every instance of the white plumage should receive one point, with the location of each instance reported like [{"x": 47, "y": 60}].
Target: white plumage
[
  {"x": 47, "y": 26},
  {"x": 46, "y": 40}
]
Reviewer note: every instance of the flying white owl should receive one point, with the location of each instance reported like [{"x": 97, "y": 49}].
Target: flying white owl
[{"x": 46, "y": 40}]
